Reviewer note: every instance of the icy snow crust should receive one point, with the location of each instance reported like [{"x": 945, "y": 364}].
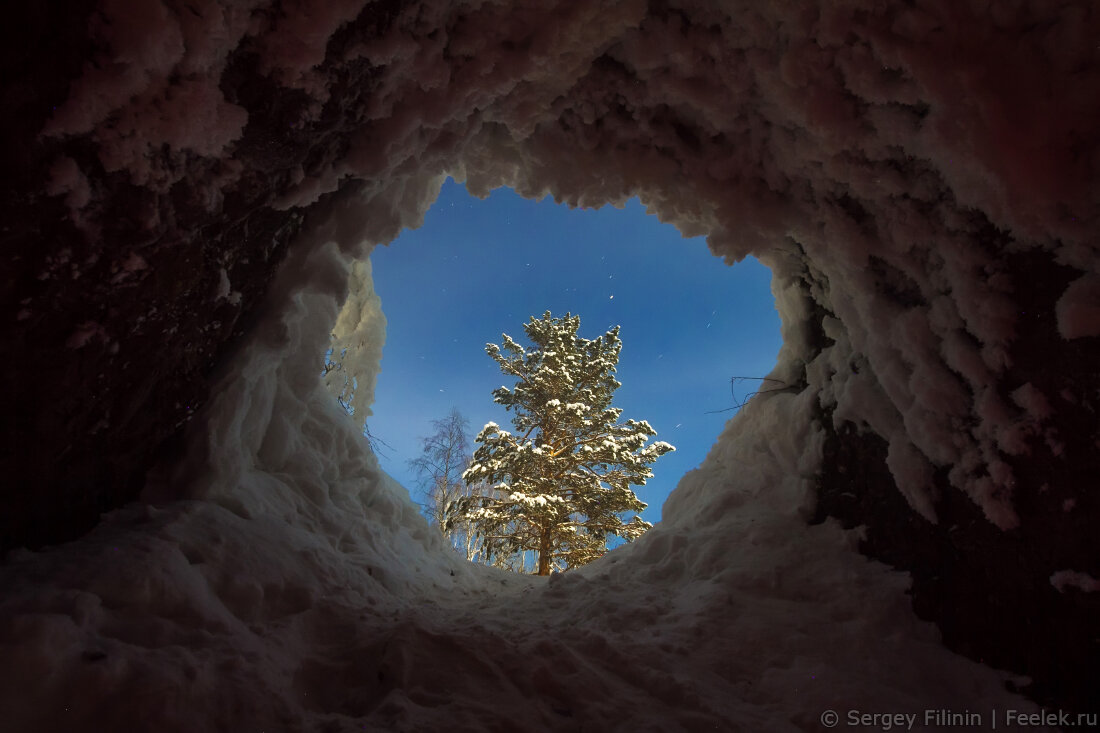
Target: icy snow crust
[{"x": 277, "y": 580}]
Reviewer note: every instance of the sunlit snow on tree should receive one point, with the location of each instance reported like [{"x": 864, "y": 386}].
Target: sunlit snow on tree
[
  {"x": 563, "y": 479},
  {"x": 443, "y": 458}
]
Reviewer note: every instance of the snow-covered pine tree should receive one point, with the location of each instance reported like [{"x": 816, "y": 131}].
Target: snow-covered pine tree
[
  {"x": 564, "y": 477},
  {"x": 444, "y": 456}
]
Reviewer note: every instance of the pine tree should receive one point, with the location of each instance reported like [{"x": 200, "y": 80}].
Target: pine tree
[
  {"x": 444, "y": 456},
  {"x": 562, "y": 480}
]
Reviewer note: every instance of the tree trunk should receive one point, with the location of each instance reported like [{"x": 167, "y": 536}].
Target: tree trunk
[{"x": 544, "y": 551}]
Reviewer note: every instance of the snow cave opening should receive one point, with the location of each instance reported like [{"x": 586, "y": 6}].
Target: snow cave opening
[
  {"x": 699, "y": 336},
  {"x": 920, "y": 182}
]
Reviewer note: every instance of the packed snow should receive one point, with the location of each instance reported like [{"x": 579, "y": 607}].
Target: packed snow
[
  {"x": 276, "y": 579},
  {"x": 871, "y": 143},
  {"x": 297, "y": 587}
]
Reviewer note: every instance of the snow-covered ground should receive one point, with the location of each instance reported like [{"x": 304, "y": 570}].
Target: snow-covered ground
[{"x": 300, "y": 589}]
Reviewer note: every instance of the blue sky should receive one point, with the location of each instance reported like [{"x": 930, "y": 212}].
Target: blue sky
[{"x": 479, "y": 268}]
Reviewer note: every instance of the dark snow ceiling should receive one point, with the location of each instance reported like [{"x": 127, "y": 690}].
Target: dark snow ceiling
[{"x": 191, "y": 184}]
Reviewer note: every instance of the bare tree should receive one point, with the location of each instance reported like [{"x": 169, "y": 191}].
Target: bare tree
[{"x": 445, "y": 455}]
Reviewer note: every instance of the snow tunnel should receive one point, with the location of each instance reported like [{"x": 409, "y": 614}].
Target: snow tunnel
[{"x": 197, "y": 538}]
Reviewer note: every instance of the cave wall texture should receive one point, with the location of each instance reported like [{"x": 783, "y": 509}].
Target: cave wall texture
[{"x": 920, "y": 176}]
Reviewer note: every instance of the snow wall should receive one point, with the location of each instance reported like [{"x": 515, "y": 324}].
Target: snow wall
[{"x": 920, "y": 178}]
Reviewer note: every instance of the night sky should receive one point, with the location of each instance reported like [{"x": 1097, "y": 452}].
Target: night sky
[{"x": 478, "y": 268}]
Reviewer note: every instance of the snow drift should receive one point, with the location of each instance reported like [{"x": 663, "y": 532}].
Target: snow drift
[{"x": 894, "y": 170}]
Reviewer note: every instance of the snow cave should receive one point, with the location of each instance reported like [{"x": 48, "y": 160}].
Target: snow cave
[{"x": 196, "y": 537}]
